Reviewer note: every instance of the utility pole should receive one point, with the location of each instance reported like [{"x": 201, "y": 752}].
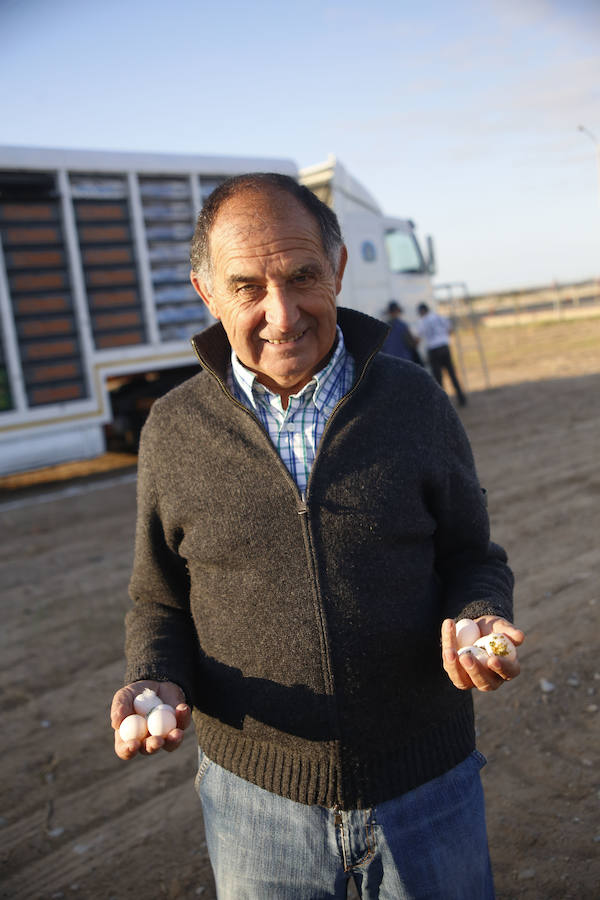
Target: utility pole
[{"x": 596, "y": 143}]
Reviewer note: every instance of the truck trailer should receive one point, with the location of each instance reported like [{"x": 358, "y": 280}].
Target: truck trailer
[{"x": 96, "y": 306}]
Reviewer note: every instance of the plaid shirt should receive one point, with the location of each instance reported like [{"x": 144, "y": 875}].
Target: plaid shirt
[{"x": 297, "y": 430}]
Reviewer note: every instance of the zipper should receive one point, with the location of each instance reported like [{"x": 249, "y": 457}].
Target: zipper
[
  {"x": 322, "y": 621},
  {"x": 302, "y": 508}
]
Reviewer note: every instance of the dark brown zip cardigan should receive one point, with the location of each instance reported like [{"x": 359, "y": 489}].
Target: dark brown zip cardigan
[{"x": 306, "y": 632}]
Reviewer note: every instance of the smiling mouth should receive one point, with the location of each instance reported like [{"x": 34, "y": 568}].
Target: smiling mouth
[{"x": 288, "y": 340}]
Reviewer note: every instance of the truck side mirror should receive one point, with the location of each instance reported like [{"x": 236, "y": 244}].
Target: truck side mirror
[{"x": 430, "y": 263}]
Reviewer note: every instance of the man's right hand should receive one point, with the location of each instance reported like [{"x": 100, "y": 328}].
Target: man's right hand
[{"x": 122, "y": 706}]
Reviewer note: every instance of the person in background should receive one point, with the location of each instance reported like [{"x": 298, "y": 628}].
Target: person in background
[
  {"x": 434, "y": 331},
  {"x": 400, "y": 341},
  {"x": 310, "y": 527}
]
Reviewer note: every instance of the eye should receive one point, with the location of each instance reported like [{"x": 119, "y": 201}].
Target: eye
[
  {"x": 248, "y": 290},
  {"x": 303, "y": 278}
]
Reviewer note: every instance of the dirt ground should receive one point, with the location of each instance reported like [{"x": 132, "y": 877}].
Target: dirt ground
[{"x": 77, "y": 822}]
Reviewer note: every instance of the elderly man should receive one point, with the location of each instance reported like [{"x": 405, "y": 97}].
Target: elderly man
[{"x": 309, "y": 520}]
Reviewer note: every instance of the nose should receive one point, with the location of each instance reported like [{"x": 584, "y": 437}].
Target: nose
[{"x": 281, "y": 310}]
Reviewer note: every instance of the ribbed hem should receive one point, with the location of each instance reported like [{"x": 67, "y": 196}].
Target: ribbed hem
[
  {"x": 409, "y": 764},
  {"x": 355, "y": 783},
  {"x": 298, "y": 776}
]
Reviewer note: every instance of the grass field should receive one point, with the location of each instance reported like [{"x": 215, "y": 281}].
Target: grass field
[{"x": 529, "y": 352}]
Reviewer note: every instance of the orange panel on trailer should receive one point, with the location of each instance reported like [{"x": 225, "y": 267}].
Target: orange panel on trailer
[
  {"x": 27, "y": 306},
  {"x": 35, "y": 259},
  {"x": 93, "y": 212},
  {"x": 98, "y": 256},
  {"x": 57, "y": 372},
  {"x": 50, "y": 349},
  {"x": 46, "y": 327},
  {"x": 110, "y": 321},
  {"x": 100, "y": 234},
  {"x": 108, "y": 299},
  {"x": 56, "y": 394},
  {"x": 120, "y": 340},
  {"x": 35, "y": 235},
  {"x": 38, "y": 281},
  {"x": 27, "y": 212},
  {"x": 110, "y": 276}
]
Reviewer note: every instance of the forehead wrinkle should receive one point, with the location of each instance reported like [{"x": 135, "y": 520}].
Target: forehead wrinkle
[
  {"x": 254, "y": 225},
  {"x": 237, "y": 220},
  {"x": 282, "y": 257},
  {"x": 249, "y": 242}
]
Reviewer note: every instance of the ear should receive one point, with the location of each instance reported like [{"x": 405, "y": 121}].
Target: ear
[
  {"x": 202, "y": 290},
  {"x": 341, "y": 267}
]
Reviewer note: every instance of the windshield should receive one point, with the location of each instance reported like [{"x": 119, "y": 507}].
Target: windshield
[{"x": 404, "y": 253}]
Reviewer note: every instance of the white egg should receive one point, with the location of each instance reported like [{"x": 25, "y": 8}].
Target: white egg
[
  {"x": 497, "y": 644},
  {"x": 467, "y": 632},
  {"x": 133, "y": 728},
  {"x": 145, "y": 702},
  {"x": 479, "y": 653},
  {"x": 162, "y": 720}
]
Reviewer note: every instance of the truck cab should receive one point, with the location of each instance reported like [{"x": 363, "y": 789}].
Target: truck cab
[{"x": 385, "y": 259}]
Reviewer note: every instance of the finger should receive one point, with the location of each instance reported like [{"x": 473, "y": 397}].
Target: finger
[
  {"x": 450, "y": 660},
  {"x": 121, "y": 706},
  {"x": 169, "y": 693},
  {"x": 449, "y": 643},
  {"x": 507, "y": 669},
  {"x": 183, "y": 715},
  {"x": 151, "y": 745},
  {"x": 126, "y": 749},
  {"x": 482, "y": 676},
  {"x": 490, "y": 624},
  {"x": 173, "y": 740},
  {"x": 515, "y": 634}
]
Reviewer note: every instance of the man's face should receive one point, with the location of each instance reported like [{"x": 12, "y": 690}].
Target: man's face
[{"x": 273, "y": 288}]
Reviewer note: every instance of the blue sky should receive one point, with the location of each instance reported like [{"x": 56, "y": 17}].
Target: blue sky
[{"x": 462, "y": 115}]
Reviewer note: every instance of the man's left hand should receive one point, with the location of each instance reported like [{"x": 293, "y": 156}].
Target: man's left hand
[{"x": 465, "y": 671}]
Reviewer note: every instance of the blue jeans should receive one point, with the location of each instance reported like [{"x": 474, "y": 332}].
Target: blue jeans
[{"x": 428, "y": 843}]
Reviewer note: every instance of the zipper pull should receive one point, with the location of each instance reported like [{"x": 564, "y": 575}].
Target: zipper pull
[{"x": 302, "y": 505}]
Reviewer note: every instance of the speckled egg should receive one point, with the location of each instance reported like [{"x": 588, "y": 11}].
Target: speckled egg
[
  {"x": 497, "y": 644},
  {"x": 479, "y": 653}
]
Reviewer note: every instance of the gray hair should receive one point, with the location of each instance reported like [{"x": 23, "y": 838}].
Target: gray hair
[{"x": 329, "y": 227}]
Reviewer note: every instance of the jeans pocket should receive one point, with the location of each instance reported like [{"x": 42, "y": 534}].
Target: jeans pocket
[{"x": 204, "y": 764}]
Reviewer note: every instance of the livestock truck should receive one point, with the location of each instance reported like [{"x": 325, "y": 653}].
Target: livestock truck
[{"x": 96, "y": 306}]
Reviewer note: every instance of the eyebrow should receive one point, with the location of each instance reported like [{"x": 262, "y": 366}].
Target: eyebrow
[
  {"x": 307, "y": 269},
  {"x": 234, "y": 279}
]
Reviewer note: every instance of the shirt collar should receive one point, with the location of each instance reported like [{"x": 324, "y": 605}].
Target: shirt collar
[{"x": 321, "y": 386}]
